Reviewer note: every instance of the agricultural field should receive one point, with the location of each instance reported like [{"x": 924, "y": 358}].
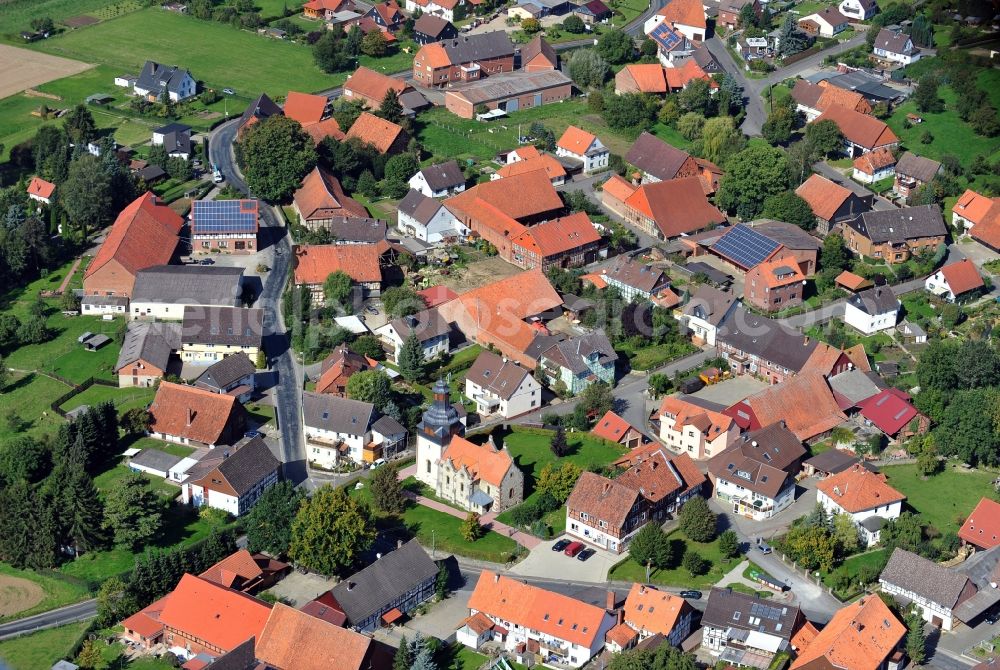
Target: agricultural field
[
  {"x": 25, "y": 592},
  {"x": 41, "y": 650},
  {"x": 24, "y": 68}
]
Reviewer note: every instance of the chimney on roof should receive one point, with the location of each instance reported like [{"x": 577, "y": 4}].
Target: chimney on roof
[
  {"x": 350, "y": 586},
  {"x": 611, "y": 601},
  {"x": 607, "y": 486},
  {"x": 496, "y": 577},
  {"x": 190, "y": 417},
  {"x": 621, "y": 617},
  {"x": 399, "y": 544}
]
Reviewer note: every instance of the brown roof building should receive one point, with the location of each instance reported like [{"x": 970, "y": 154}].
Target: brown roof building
[
  {"x": 338, "y": 367},
  {"x": 569, "y": 241},
  {"x": 895, "y": 235},
  {"x": 667, "y": 209},
  {"x": 371, "y": 87},
  {"x": 321, "y": 199},
  {"x": 386, "y": 136},
  {"x": 982, "y": 528},
  {"x": 805, "y": 404},
  {"x": 246, "y": 572},
  {"x": 463, "y": 59},
  {"x": 864, "y": 635},
  {"x": 362, "y": 262},
  {"x": 538, "y": 55},
  {"x": 831, "y": 202},
  {"x": 190, "y": 415},
  {"x": 862, "y": 133},
  {"x": 814, "y": 99}
]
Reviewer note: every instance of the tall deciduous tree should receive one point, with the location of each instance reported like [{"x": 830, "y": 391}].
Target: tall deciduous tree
[
  {"x": 616, "y": 46},
  {"x": 330, "y": 532},
  {"x": 825, "y": 137},
  {"x": 651, "y": 546},
  {"x": 788, "y": 206},
  {"x": 86, "y": 194},
  {"x": 402, "y": 301},
  {"x": 338, "y": 290},
  {"x": 132, "y": 513},
  {"x": 371, "y": 386},
  {"x": 751, "y": 176},
  {"x": 276, "y": 154},
  {"x": 269, "y": 523},
  {"x": 697, "y": 521},
  {"x": 588, "y": 69}
]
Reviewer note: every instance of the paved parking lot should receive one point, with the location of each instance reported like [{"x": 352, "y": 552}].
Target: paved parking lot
[
  {"x": 731, "y": 391},
  {"x": 297, "y": 589},
  {"x": 543, "y": 562}
]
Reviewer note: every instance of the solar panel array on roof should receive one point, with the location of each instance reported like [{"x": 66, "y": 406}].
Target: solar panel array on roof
[
  {"x": 212, "y": 217},
  {"x": 666, "y": 37},
  {"x": 744, "y": 246}
]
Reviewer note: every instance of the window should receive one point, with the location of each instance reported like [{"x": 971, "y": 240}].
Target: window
[{"x": 428, "y": 466}]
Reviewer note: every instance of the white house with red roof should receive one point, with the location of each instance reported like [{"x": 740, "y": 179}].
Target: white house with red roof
[
  {"x": 686, "y": 17},
  {"x": 41, "y": 190},
  {"x": 585, "y": 147},
  {"x": 615, "y": 429},
  {"x": 955, "y": 280},
  {"x": 864, "y": 496}
]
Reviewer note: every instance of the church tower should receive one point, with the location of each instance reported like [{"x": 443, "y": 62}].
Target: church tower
[{"x": 435, "y": 430}]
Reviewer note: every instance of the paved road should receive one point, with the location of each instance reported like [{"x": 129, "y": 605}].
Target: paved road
[
  {"x": 276, "y": 344},
  {"x": 64, "y": 615}
]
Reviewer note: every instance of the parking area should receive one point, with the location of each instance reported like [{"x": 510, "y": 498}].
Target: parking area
[
  {"x": 731, "y": 391},
  {"x": 543, "y": 562},
  {"x": 297, "y": 589}
]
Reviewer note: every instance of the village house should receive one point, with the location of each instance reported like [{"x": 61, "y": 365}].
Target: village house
[
  {"x": 234, "y": 375},
  {"x": 872, "y": 310},
  {"x": 668, "y": 209},
  {"x": 897, "y": 234},
  {"x": 912, "y": 172},
  {"x": 326, "y": 9},
  {"x": 501, "y": 387},
  {"x": 363, "y": 263},
  {"x": 162, "y": 292},
  {"x": 956, "y": 281},
  {"x": 982, "y": 528},
  {"x": 146, "y": 233},
  {"x": 533, "y": 622},
  {"x": 737, "y": 627},
  {"x": 686, "y": 17},
  {"x": 613, "y": 428},
  {"x": 814, "y": 99},
  {"x": 508, "y": 92},
  {"x": 979, "y": 217},
  {"x": 245, "y": 572},
  {"x": 659, "y": 161},
  {"x": 892, "y": 412},
  {"x": 874, "y": 166},
  {"x": 705, "y": 311},
  {"x": 827, "y": 22},
  {"x": 321, "y": 199},
  {"x": 529, "y": 159},
  {"x": 429, "y": 28},
  {"x": 146, "y": 352},
  {"x": 440, "y": 180},
  {"x": 386, "y": 137},
  {"x": 687, "y": 428},
  {"x": 729, "y": 12},
  {"x": 538, "y": 55},
  {"x": 41, "y": 191},
  {"x": 431, "y": 329},
  {"x": 804, "y": 404},
  {"x": 649, "y": 612},
  {"x": 756, "y": 474},
  {"x": 338, "y": 429},
  {"x": 209, "y": 334},
  {"x": 747, "y": 245},
  {"x": 858, "y": 10},
  {"x": 934, "y": 590},
  {"x": 580, "y": 361},
  {"x": 237, "y": 482},
  {"x": 337, "y": 368},
  {"x": 175, "y": 138},
  {"x": 371, "y": 87},
  {"x": 230, "y": 226},
  {"x": 462, "y": 59},
  {"x": 656, "y": 79},
  {"x": 831, "y": 203},
  {"x": 774, "y": 285},
  {"x": 387, "y": 15},
  {"x": 863, "y": 635},
  {"x": 895, "y": 46},
  {"x": 193, "y": 416},
  {"x": 427, "y": 219},
  {"x": 305, "y": 108},
  {"x": 579, "y": 145},
  {"x": 862, "y": 133},
  {"x": 442, "y": 8},
  {"x": 567, "y": 242},
  {"x": 155, "y": 78},
  {"x": 261, "y": 108},
  {"x": 593, "y": 12},
  {"x": 864, "y": 496}
]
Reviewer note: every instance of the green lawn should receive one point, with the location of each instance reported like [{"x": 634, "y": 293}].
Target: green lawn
[
  {"x": 670, "y": 135},
  {"x": 28, "y": 396},
  {"x": 58, "y": 592},
  {"x": 123, "y": 399},
  {"x": 917, "y": 305},
  {"x": 653, "y": 356},
  {"x": 942, "y": 499},
  {"x": 629, "y": 570},
  {"x": 42, "y": 649},
  {"x": 872, "y": 560},
  {"x": 17, "y": 14},
  {"x": 459, "y": 657}
]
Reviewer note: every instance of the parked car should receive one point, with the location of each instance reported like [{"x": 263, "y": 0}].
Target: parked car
[
  {"x": 585, "y": 554},
  {"x": 253, "y": 433},
  {"x": 371, "y": 309},
  {"x": 560, "y": 545},
  {"x": 693, "y": 595},
  {"x": 691, "y": 386},
  {"x": 763, "y": 547},
  {"x": 378, "y": 463},
  {"x": 992, "y": 617},
  {"x": 228, "y": 91},
  {"x": 207, "y": 261},
  {"x": 573, "y": 549}
]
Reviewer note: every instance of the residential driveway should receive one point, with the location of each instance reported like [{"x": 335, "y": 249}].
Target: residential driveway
[
  {"x": 545, "y": 563},
  {"x": 805, "y": 501},
  {"x": 297, "y": 589},
  {"x": 974, "y": 251},
  {"x": 731, "y": 391}
]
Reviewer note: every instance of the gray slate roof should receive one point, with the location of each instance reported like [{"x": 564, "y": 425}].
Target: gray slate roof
[
  {"x": 875, "y": 300},
  {"x": 485, "y": 46},
  {"x": 899, "y": 225},
  {"x": 229, "y": 370},
  {"x": 427, "y": 325},
  {"x": 920, "y": 168},
  {"x": 250, "y": 463},
  {"x": 571, "y": 353},
  {"x": 262, "y": 108},
  {"x": 356, "y": 229},
  {"x": 833, "y": 460},
  {"x": 637, "y": 275},
  {"x": 374, "y": 589},
  {"x": 333, "y": 413},
  {"x": 654, "y": 156},
  {"x": 732, "y": 609},
  {"x": 153, "y": 74},
  {"x": 155, "y": 459},
  {"x": 767, "y": 339},
  {"x": 444, "y": 175},
  {"x": 188, "y": 285},
  {"x": 430, "y": 25},
  {"x": 496, "y": 375},
  {"x": 787, "y": 234},
  {"x": 231, "y": 326},
  {"x": 893, "y": 41},
  {"x": 914, "y": 573},
  {"x": 386, "y": 425},
  {"x": 151, "y": 342},
  {"x": 709, "y": 304},
  {"x": 419, "y": 206}
]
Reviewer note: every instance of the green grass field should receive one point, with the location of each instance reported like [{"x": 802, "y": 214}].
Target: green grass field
[
  {"x": 58, "y": 592},
  {"x": 853, "y": 566},
  {"x": 123, "y": 399},
  {"x": 942, "y": 499},
  {"x": 17, "y": 14},
  {"x": 629, "y": 570},
  {"x": 42, "y": 649},
  {"x": 29, "y": 396}
]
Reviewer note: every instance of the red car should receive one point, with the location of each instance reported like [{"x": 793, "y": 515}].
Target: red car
[{"x": 573, "y": 549}]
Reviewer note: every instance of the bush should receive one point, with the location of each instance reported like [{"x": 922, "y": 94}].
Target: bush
[{"x": 695, "y": 564}]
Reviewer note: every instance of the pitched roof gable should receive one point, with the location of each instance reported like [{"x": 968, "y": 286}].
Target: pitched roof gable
[
  {"x": 858, "y": 489},
  {"x": 685, "y": 12},
  {"x": 305, "y": 108},
  {"x": 962, "y": 276},
  {"x": 602, "y": 499},
  {"x": 191, "y": 412},
  {"x": 375, "y": 131},
  {"x": 982, "y": 527},
  {"x": 295, "y": 639},
  {"x": 861, "y": 129},
  {"x": 144, "y": 234},
  {"x": 484, "y": 462},
  {"x": 221, "y": 617},
  {"x": 676, "y": 206},
  {"x": 576, "y": 140},
  {"x": 322, "y": 197},
  {"x": 362, "y": 262},
  {"x": 860, "y": 636},
  {"x": 559, "y": 236},
  {"x": 520, "y": 196},
  {"x": 823, "y": 196},
  {"x": 651, "y": 610},
  {"x": 371, "y": 84},
  {"x": 805, "y": 403}
]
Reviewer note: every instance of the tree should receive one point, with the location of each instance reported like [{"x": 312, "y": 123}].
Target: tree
[
  {"x": 23, "y": 459},
  {"x": 115, "y": 602},
  {"x": 790, "y": 40},
  {"x": 79, "y": 125},
  {"x": 812, "y": 547},
  {"x": 616, "y": 46},
  {"x": 629, "y": 110},
  {"x": 695, "y": 564},
  {"x": 751, "y": 176},
  {"x": 4, "y": 374},
  {"x": 845, "y": 533},
  {"x": 720, "y": 139},
  {"x": 338, "y": 290},
  {"x": 387, "y": 490},
  {"x": 398, "y": 171},
  {"x": 670, "y": 112},
  {"x": 651, "y": 546},
  {"x": 531, "y": 25},
  {"x": 42, "y": 24},
  {"x": 697, "y": 521},
  {"x": 402, "y": 660},
  {"x": 730, "y": 95},
  {"x": 472, "y": 530},
  {"x": 90, "y": 656},
  {"x": 402, "y": 301},
  {"x": 330, "y": 531},
  {"x": 597, "y": 399},
  {"x": 778, "y": 127},
  {"x": 588, "y": 69},
  {"x": 697, "y": 97},
  {"x": 969, "y": 427},
  {"x": 372, "y": 386},
  {"x": 82, "y": 511},
  {"x": 559, "y": 445},
  {"x": 558, "y": 480},
  {"x": 574, "y": 24},
  {"x": 411, "y": 358},
  {"x": 424, "y": 659},
  {"x": 788, "y": 206},
  {"x": 374, "y": 44},
  {"x": 690, "y": 125},
  {"x": 984, "y": 121},
  {"x": 729, "y": 544},
  {"x": 132, "y": 513},
  {"x": 664, "y": 657},
  {"x": 928, "y": 462},
  {"x": 825, "y": 137},
  {"x": 390, "y": 109},
  {"x": 926, "y": 94},
  {"x": 276, "y": 154},
  {"x": 135, "y": 421},
  {"x": 86, "y": 194},
  {"x": 916, "y": 641},
  {"x": 268, "y": 524}
]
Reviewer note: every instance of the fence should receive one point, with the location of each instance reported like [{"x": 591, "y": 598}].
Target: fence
[{"x": 75, "y": 390}]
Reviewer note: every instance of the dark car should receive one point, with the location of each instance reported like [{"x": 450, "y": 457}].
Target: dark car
[
  {"x": 371, "y": 309},
  {"x": 253, "y": 433},
  {"x": 560, "y": 545},
  {"x": 573, "y": 549},
  {"x": 585, "y": 554},
  {"x": 992, "y": 617},
  {"x": 693, "y": 595},
  {"x": 207, "y": 261}
]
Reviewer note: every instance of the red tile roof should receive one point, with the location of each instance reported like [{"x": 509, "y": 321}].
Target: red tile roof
[
  {"x": 652, "y": 611},
  {"x": 520, "y": 197},
  {"x": 778, "y": 273},
  {"x": 860, "y": 636},
  {"x": 890, "y": 410},
  {"x": 861, "y": 129},
  {"x": 612, "y": 427},
  {"x": 623, "y": 635},
  {"x": 858, "y": 489},
  {"x": 484, "y": 462},
  {"x": 680, "y": 77},
  {"x": 676, "y": 206},
  {"x": 984, "y": 213},
  {"x": 823, "y": 196},
  {"x": 559, "y": 236},
  {"x": 191, "y": 412},
  {"x": 325, "y": 128},
  {"x": 146, "y": 622},
  {"x": 322, "y": 197},
  {"x": 618, "y": 187},
  {"x": 685, "y": 12},
  {"x": 295, "y": 640},
  {"x": 873, "y": 161},
  {"x": 436, "y": 295},
  {"x": 238, "y": 566},
  {"x": 305, "y": 108},
  {"x": 143, "y": 235},
  {"x": 552, "y": 167},
  {"x": 648, "y": 77},
  {"x": 314, "y": 263},
  {"x": 41, "y": 188},
  {"x": 982, "y": 528},
  {"x": 375, "y": 131},
  {"x": 371, "y": 84},
  {"x": 805, "y": 403},
  {"x": 962, "y": 276},
  {"x": 576, "y": 140},
  {"x": 851, "y": 281},
  {"x": 221, "y": 617}
]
